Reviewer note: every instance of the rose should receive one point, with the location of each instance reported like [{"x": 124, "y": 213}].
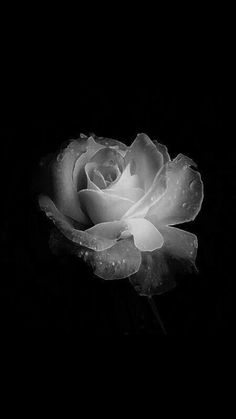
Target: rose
[{"x": 115, "y": 206}]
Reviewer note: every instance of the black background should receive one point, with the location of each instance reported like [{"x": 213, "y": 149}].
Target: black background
[{"x": 43, "y": 292}]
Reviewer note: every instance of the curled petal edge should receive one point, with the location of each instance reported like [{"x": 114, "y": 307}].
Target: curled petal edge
[{"x": 79, "y": 237}]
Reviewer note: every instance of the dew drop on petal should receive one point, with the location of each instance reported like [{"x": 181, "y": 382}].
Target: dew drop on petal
[{"x": 192, "y": 184}]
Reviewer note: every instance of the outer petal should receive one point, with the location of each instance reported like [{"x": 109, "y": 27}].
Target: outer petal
[
  {"x": 102, "y": 207},
  {"x": 110, "y": 142},
  {"x": 78, "y": 237},
  {"x": 152, "y": 196},
  {"x": 148, "y": 160},
  {"x": 155, "y": 275},
  {"x": 158, "y": 268},
  {"x": 179, "y": 243},
  {"x": 111, "y": 230},
  {"x": 120, "y": 261},
  {"x": 163, "y": 150},
  {"x": 66, "y": 170},
  {"x": 183, "y": 197},
  {"x": 146, "y": 235}
]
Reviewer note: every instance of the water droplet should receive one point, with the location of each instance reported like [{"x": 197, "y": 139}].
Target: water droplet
[
  {"x": 192, "y": 184},
  {"x": 123, "y": 260},
  {"x": 60, "y": 157},
  {"x": 113, "y": 263},
  {"x": 184, "y": 205}
]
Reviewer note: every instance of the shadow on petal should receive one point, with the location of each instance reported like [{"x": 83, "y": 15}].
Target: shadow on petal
[
  {"x": 148, "y": 160},
  {"x": 120, "y": 261},
  {"x": 183, "y": 197},
  {"x": 79, "y": 237},
  {"x": 159, "y": 268},
  {"x": 103, "y": 207}
]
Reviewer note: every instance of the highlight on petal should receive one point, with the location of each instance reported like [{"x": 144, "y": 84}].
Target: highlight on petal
[
  {"x": 110, "y": 230},
  {"x": 159, "y": 268},
  {"x": 126, "y": 180},
  {"x": 134, "y": 194},
  {"x": 163, "y": 150},
  {"x": 103, "y": 207},
  {"x": 120, "y": 261},
  {"x": 152, "y": 196},
  {"x": 121, "y": 148},
  {"x": 183, "y": 197},
  {"x": 78, "y": 237},
  {"x": 66, "y": 169},
  {"x": 148, "y": 160},
  {"x": 146, "y": 236}
]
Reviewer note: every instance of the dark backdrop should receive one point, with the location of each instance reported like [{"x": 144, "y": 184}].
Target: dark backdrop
[{"x": 43, "y": 292}]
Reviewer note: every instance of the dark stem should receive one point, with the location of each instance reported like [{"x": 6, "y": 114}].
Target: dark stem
[{"x": 156, "y": 314}]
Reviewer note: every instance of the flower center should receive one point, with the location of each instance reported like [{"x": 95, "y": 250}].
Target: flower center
[{"x": 109, "y": 172}]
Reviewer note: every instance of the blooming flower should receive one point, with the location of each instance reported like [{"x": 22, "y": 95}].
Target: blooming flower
[{"x": 115, "y": 206}]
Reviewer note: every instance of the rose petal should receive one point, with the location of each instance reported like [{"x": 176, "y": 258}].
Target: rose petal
[
  {"x": 110, "y": 230},
  {"x": 155, "y": 275},
  {"x": 163, "y": 150},
  {"x": 146, "y": 236},
  {"x": 179, "y": 243},
  {"x": 134, "y": 194},
  {"x": 99, "y": 180},
  {"x": 89, "y": 170},
  {"x": 79, "y": 237},
  {"x": 110, "y": 142},
  {"x": 66, "y": 169},
  {"x": 152, "y": 196},
  {"x": 108, "y": 156},
  {"x": 157, "y": 271},
  {"x": 103, "y": 207},
  {"x": 78, "y": 170},
  {"x": 147, "y": 158},
  {"x": 120, "y": 261},
  {"x": 126, "y": 181},
  {"x": 183, "y": 197}
]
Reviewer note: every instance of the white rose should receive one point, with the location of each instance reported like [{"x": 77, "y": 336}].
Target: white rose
[{"x": 116, "y": 205}]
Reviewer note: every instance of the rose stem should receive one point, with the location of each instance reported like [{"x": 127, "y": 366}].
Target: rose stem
[{"x": 156, "y": 314}]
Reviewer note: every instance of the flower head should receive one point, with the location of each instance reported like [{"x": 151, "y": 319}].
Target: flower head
[{"x": 115, "y": 206}]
